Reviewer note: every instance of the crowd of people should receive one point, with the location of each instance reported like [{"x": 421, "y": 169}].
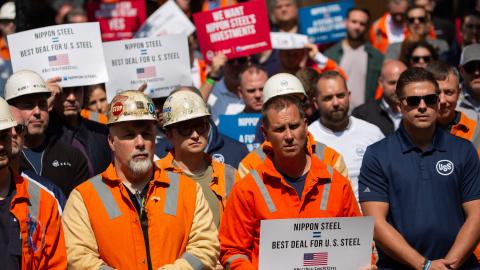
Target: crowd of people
[{"x": 383, "y": 123}]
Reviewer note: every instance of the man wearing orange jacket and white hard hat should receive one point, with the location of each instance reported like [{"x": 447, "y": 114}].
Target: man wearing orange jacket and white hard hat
[
  {"x": 31, "y": 234},
  {"x": 186, "y": 124},
  {"x": 135, "y": 215},
  {"x": 287, "y": 84},
  {"x": 291, "y": 183}
]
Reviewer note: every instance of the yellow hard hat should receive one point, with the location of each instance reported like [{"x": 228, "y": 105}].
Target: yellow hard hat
[
  {"x": 131, "y": 105},
  {"x": 282, "y": 84},
  {"x": 24, "y": 82},
  {"x": 183, "y": 105},
  {"x": 6, "y": 119}
]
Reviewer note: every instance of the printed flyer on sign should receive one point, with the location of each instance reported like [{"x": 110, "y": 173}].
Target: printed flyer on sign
[
  {"x": 71, "y": 51},
  {"x": 324, "y": 23},
  {"x": 316, "y": 243},
  {"x": 288, "y": 41},
  {"x": 119, "y": 20},
  {"x": 235, "y": 31},
  {"x": 161, "y": 62},
  {"x": 241, "y": 127},
  {"x": 166, "y": 20}
]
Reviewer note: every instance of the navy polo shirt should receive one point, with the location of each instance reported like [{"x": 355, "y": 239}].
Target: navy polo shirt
[{"x": 425, "y": 190}]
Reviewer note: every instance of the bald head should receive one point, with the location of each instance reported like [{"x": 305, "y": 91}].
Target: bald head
[{"x": 391, "y": 70}]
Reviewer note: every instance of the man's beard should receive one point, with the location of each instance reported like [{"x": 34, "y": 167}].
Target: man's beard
[{"x": 140, "y": 167}]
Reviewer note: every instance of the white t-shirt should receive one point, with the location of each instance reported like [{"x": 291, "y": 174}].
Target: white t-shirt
[
  {"x": 222, "y": 101},
  {"x": 354, "y": 62},
  {"x": 394, "y": 33},
  {"x": 351, "y": 143}
]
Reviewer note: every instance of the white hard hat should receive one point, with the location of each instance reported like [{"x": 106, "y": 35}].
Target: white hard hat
[
  {"x": 131, "y": 105},
  {"x": 6, "y": 119},
  {"x": 183, "y": 105},
  {"x": 282, "y": 84},
  {"x": 24, "y": 82},
  {"x": 7, "y": 11}
]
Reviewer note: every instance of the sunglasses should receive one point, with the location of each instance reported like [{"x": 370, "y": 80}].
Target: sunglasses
[
  {"x": 422, "y": 19},
  {"x": 472, "y": 67},
  {"x": 414, "y": 101},
  {"x": 19, "y": 129},
  {"x": 426, "y": 59},
  {"x": 187, "y": 129}
]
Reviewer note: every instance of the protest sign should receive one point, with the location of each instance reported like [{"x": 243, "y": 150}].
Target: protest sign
[
  {"x": 240, "y": 127},
  {"x": 166, "y": 20},
  {"x": 71, "y": 51},
  {"x": 287, "y": 41},
  {"x": 235, "y": 31},
  {"x": 118, "y": 20},
  {"x": 316, "y": 243},
  {"x": 161, "y": 62},
  {"x": 324, "y": 23}
]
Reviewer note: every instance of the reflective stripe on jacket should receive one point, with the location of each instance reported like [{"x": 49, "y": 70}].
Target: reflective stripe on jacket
[
  {"x": 94, "y": 116},
  {"x": 223, "y": 175},
  {"x": 102, "y": 228},
  {"x": 38, "y": 215},
  {"x": 321, "y": 151},
  {"x": 264, "y": 194}
]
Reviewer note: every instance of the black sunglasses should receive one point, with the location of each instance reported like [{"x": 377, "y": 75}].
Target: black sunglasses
[
  {"x": 426, "y": 59},
  {"x": 414, "y": 101},
  {"x": 422, "y": 19},
  {"x": 19, "y": 129},
  {"x": 472, "y": 67},
  {"x": 187, "y": 129}
]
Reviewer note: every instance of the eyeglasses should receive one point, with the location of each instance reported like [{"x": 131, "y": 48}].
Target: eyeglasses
[
  {"x": 422, "y": 19},
  {"x": 19, "y": 129},
  {"x": 472, "y": 67},
  {"x": 187, "y": 129},
  {"x": 416, "y": 59},
  {"x": 414, "y": 101}
]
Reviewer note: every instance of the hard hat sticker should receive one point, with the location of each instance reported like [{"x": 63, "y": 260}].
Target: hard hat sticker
[
  {"x": 117, "y": 108},
  {"x": 151, "y": 108}
]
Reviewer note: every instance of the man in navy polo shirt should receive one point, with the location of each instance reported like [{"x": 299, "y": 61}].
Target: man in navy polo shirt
[{"x": 422, "y": 186}]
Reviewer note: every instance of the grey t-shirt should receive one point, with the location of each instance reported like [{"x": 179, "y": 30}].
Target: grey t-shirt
[{"x": 354, "y": 63}]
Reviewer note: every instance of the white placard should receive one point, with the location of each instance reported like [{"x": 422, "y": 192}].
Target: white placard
[
  {"x": 316, "y": 243},
  {"x": 161, "y": 62},
  {"x": 166, "y": 20},
  {"x": 71, "y": 51},
  {"x": 286, "y": 41}
]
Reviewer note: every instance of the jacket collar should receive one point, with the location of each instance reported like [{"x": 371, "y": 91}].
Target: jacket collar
[
  {"x": 159, "y": 175},
  {"x": 438, "y": 141}
]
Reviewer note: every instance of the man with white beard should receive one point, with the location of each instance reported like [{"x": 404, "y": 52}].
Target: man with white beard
[{"x": 135, "y": 215}]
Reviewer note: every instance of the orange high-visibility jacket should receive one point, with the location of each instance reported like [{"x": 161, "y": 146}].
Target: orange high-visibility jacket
[
  {"x": 43, "y": 246},
  {"x": 222, "y": 4},
  {"x": 379, "y": 37},
  {"x": 94, "y": 116},
  {"x": 321, "y": 151},
  {"x": 264, "y": 194},
  {"x": 330, "y": 65},
  {"x": 223, "y": 176},
  {"x": 102, "y": 227}
]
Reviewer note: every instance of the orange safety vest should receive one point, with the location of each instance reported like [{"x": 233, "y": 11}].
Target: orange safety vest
[
  {"x": 221, "y": 4},
  {"x": 94, "y": 116},
  {"x": 170, "y": 204},
  {"x": 321, "y": 151},
  {"x": 264, "y": 194},
  {"x": 38, "y": 215},
  {"x": 224, "y": 176},
  {"x": 330, "y": 65}
]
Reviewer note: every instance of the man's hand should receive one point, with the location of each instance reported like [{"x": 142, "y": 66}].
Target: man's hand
[
  {"x": 142, "y": 87},
  {"x": 55, "y": 89},
  {"x": 315, "y": 55},
  {"x": 369, "y": 267},
  {"x": 442, "y": 264},
  {"x": 216, "y": 67}
]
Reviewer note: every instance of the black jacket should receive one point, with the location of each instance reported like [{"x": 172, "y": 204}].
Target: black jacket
[
  {"x": 374, "y": 114},
  {"x": 63, "y": 164},
  {"x": 93, "y": 137},
  {"x": 220, "y": 147}
]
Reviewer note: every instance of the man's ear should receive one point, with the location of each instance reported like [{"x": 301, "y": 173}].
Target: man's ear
[{"x": 110, "y": 142}]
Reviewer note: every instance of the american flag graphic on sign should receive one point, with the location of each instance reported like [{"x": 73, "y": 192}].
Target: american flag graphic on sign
[
  {"x": 58, "y": 60},
  {"x": 146, "y": 72},
  {"x": 315, "y": 259}
]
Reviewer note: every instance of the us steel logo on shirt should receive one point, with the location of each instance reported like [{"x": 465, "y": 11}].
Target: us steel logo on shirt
[{"x": 444, "y": 167}]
